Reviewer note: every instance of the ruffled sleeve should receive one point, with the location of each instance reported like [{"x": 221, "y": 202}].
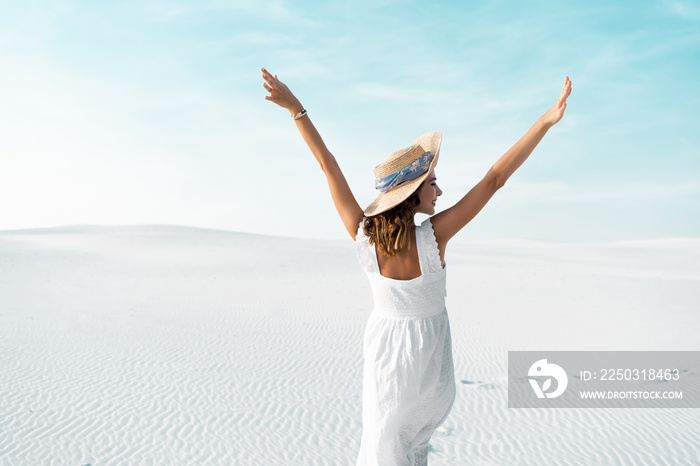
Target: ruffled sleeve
[
  {"x": 362, "y": 249},
  {"x": 431, "y": 247}
]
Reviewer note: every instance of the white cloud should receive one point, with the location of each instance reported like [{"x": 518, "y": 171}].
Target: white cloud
[
  {"x": 270, "y": 10},
  {"x": 685, "y": 10}
]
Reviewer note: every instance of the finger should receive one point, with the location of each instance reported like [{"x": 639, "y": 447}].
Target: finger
[
  {"x": 564, "y": 94},
  {"x": 268, "y": 77},
  {"x": 271, "y": 79}
]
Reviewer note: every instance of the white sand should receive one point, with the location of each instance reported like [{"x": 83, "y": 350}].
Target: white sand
[{"x": 171, "y": 345}]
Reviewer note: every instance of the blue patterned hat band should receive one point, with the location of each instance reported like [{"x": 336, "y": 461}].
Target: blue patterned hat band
[{"x": 413, "y": 171}]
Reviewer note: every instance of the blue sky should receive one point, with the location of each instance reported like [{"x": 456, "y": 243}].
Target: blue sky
[{"x": 150, "y": 112}]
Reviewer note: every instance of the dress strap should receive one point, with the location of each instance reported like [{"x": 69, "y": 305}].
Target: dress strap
[
  {"x": 430, "y": 246},
  {"x": 420, "y": 246},
  {"x": 362, "y": 249}
]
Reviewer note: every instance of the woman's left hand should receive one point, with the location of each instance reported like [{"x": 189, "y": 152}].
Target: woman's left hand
[
  {"x": 280, "y": 93},
  {"x": 554, "y": 114}
]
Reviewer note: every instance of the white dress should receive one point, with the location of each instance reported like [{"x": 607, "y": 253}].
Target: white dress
[{"x": 408, "y": 378}]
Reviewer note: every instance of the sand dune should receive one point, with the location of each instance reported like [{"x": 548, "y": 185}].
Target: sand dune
[{"x": 175, "y": 345}]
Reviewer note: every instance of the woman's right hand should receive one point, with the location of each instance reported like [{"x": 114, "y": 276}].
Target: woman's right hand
[
  {"x": 554, "y": 114},
  {"x": 280, "y": 93}
]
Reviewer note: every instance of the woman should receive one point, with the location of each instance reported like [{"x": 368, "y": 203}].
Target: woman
[{"x": 408, "y": 377}]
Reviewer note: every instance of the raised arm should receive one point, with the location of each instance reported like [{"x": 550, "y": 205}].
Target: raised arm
[
  {"x": 348, "y": 208},
  {"x": 448, "y": 222}
]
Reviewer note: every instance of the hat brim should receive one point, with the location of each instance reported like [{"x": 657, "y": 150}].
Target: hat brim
[{"x": 401, "y": 192}]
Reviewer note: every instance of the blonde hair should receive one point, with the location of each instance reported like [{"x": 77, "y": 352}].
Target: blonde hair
[{"x": 391, "y": 230}]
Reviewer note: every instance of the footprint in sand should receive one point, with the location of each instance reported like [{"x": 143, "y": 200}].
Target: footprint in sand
[
  {"x": 470, "y": 382},
  {"x": 489, "y": 386},
  {"x": 479, "y": 384}
]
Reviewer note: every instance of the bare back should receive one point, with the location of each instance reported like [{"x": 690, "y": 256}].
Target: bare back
[{"x": 405, "y": 265}]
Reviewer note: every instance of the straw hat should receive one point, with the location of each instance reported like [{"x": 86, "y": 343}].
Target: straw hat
[{"x": 401, "y": 159}]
